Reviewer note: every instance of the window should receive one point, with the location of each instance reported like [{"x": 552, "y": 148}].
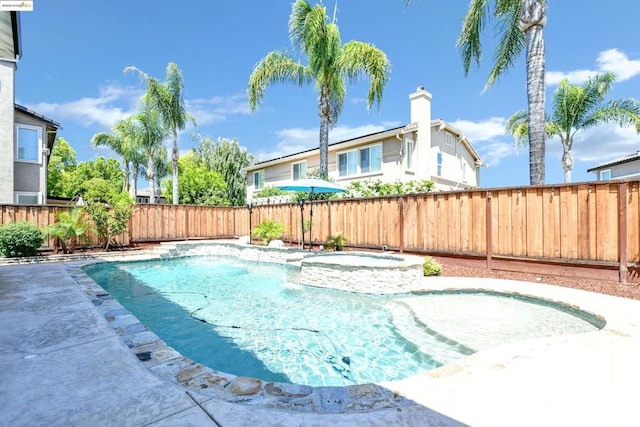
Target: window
[
  {"x": 449, "y": 139},
  {"x": 299, "y": 170},
  {"x": 439, "y": 164},
  {"x": 347, "y": 163},
  {"x": 364, "y": 160},
  {"x": 409, "y": 148},
  {"x": 29, "y": 142},
  {"x": 258, "y": 180},
  {"x": 27, "y": 198},
  {"x": 605, "y": 174}
]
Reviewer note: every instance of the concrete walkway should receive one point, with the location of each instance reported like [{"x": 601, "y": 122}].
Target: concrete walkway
[{"x": 61, "y": 364}]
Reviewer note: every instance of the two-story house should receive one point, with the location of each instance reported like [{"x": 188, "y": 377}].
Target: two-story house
[
  {"x": 622, "y": 167},
  {"x": 26, "y": 137},
  {"x": 422, "y": 149}
]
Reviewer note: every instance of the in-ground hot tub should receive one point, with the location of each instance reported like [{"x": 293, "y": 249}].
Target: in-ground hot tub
[{"x": 370, "y": 273}]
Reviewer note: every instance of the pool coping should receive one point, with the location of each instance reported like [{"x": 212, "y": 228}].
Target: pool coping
[{"x": 621, "y": 316}]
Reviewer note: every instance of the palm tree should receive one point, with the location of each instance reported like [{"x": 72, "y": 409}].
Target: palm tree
[
  {"x": 520, "y": 23},
  {"x": 150, "y": 134},
  {"x": 330, "y": 64},
  {"x": 579, "y": 107},
  {"x": 122, "y": 143},
  {"x": 167, "y": 99}
]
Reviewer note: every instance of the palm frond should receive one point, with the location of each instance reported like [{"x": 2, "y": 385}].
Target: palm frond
[
  {"x": 276, "y": 67},
  {"x": 469, "y": 39},
  {"x": 358, "y": 59},
  {"x": 624, "y": 112},
  {"x": 307, "y": 27},
  {"x": 512, "y": 40},
  {"x": 518, "y": 126}
]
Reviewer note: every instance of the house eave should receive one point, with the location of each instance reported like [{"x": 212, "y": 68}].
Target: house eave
[{"x": 616, "y": 162}]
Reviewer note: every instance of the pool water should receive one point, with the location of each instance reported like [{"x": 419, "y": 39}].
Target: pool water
[{"x": 254, "y": 319}]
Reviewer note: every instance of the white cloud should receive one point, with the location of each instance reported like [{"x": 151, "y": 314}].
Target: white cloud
[
  {"x": 600, "y": 144},
  {"x": 486, "y": 130},
  {"x": 116, "y": 102},
  {"x": 295, "y": 140},
  {"x": 216, "y": 109},
  {"x": 113, "y": 103},
  {"x": 493, "y": 152},
  {"x": 609, "y": 60},
  {"x": 488, "y": 138}
]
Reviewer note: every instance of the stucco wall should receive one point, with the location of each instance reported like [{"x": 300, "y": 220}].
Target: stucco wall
[
  {"x": 31, "y": 177},
  {"x": 7, "y": 70},
  {"x": 625, "y": 169},
  {"x": 454, "y": 158}
]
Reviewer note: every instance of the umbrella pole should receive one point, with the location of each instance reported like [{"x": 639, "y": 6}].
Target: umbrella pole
[{"x": 310, "y": 226}]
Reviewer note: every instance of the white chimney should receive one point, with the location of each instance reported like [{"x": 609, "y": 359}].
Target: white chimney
[{"x": 420, "y": 106}]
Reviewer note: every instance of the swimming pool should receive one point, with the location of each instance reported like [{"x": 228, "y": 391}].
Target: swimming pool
[{"x": 256, "y": 320}]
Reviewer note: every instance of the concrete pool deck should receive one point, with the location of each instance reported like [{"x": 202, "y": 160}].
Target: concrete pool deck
[{"x": 61, "y": 363}]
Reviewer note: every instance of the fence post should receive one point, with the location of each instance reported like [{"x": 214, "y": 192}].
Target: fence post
[
  {"x": 186, "y": 224},
  {"x": 622, "y": 230},
  {"x": 488, "y": 239}
]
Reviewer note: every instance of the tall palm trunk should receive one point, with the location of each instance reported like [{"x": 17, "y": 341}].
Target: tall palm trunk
[
  {"x": 325, "y": 120},
  {"x": 532, "y": 23},
  {"x": 175, "y": 157},
  {"x": 150, "y": 178}
]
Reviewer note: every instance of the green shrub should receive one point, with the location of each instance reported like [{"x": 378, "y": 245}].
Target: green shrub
[
  {"x": 70, "y": 229},
  {"x": 269, "y": 230},
  {"x": 270, "y": 192},
  {"x": 431, "y": 267},
  {"x": 335, "y": 242},
  {"x": 19, "y": 239}
]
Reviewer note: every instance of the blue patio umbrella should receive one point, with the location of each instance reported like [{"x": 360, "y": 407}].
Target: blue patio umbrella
[{"x": 310, "y": 185}]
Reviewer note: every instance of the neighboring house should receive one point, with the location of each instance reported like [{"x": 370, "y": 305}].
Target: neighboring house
[
  {"x": 143, "y": 195},
  {"x": 26, "y": 137},
  {"x": 623, "y": 167},
  {"x": 423, "y": 149}
]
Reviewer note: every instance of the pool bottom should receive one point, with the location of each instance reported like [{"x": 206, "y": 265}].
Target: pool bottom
[{"x": 167, "y": 363}]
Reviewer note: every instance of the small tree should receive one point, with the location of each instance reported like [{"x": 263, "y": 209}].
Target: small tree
[
  {"x": 69, "y": 229},
  {"x": 228, "y": 158},
  {"x": 110, "y": 213},
  {"x": 198, "y": 185}
]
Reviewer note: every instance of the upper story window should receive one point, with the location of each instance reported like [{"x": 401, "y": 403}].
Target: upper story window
[
  {"x": 439, "y": 158},
  {"x": 258, "y": 180},
  {"x": 410, "y": 146},
  {"x": 28, "y": 143},
  {"x": 605, "y": 174},
  {"x": 299, "y": 170},
  {"x": 360, "y": 161},
  {"x": 449, "y": 139}
]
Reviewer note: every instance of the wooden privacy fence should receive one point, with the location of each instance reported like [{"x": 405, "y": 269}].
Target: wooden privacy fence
[{"x": 584, "y": 225}]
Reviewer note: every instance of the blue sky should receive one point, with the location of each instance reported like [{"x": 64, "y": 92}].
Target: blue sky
[{"x": 75, "y": 51}]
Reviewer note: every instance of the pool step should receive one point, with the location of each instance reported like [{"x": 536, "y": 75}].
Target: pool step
[{"x": 428, "y": 341}]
